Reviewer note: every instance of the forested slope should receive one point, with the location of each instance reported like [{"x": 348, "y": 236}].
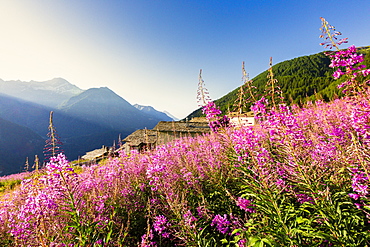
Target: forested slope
[{"x": 300, "y": 79}]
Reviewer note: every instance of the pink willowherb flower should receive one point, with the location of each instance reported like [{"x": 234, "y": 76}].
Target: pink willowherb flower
[
  {"x": 347, "y": 60},
  {"x": 222, "y": 223},
  {"x": 190, "y": 220},
  {"x": 365, "y": 72},
  {"x": 246, "y": 205},
  {"x": 338, "y": 73},
  {"x": 161, "y": 225},
  {"x": 213, "y": 116}
]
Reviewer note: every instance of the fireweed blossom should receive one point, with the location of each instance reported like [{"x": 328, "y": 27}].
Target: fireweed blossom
[
  {"x": 347, "y": 61},
  {"x": 347, "y": 58},
  {"x": 211, "y": 111},
  {"x": 146, "y": 240},
  {"x": 302, "y": 198},
  {"x": 157, "y": 168},
  {"x": 246, "y": 205},
  {"x": 203, "y": 212},
  {"x": 190, "y": 220},
  {"x": 259, "y": 108},
  {"x": 213, "y": 116},
  {"x": 43, "y": 199},
  {"x": 359, "y": 183},
  {"x": 360, "y": 117},
  {"x": 246, "y": 143},
  {"x": 349, "y": 64},
  {"x": 222, "y": 223},
  {"x": 161, "y": 226}
]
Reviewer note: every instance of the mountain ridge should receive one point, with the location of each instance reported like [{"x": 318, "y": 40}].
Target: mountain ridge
[
  {"x": 84, "y": 119},
  {"x": 153, "y": 112},
  {"x": 103, "y": 106},
  {"x": 24, "y": 143},
  {"x": 48, "y": 93}
]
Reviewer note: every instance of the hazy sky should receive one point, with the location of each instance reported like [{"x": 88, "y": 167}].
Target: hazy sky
[{"x": 150, "y": 51}]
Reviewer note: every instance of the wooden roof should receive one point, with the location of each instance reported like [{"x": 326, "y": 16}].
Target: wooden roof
[
  {"x": 190, "y": 127},
  {"x": 141, "y": 136},
  {"x": 199, "y": 119},
  {"x": 151, "y": 136},
  {"x": 95, "y": 153}
]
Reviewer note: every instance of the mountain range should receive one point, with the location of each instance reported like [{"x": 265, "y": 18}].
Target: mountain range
[
  {"x": 48, "y": 93},
  {"x": 84, "y": 119},
  {"x": 153, "y": 112}
]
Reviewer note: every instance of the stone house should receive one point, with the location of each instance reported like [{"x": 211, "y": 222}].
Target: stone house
[
  {"x": 163, "y": 132},
  {"x": 97, "y": 154},
  {"x": 140, "y": 140}
]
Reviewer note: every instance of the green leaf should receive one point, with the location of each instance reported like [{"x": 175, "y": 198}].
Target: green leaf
[
  {"x": 265, "y": 240},
  {"x": 236, "y": 231},
  {"x": 253, "y": 240},
  {"x": 300, "y": 220}
]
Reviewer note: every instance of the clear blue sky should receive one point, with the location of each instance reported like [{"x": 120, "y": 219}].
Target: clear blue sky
[{"x": 150, "y": 51}]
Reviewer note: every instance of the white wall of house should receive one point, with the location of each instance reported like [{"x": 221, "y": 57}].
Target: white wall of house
[{"x": 242, "y": 121}]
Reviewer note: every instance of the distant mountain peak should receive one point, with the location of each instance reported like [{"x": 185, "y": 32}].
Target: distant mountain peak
[
  {"x": 59, "y": 85},
  {"x": 171, "y": 116},
  {"x": 101, "y": 95},
  {"x": 144, "y": 108},
  {"x": 151, "y": 111},
  {"x": 49, "y": 93}
]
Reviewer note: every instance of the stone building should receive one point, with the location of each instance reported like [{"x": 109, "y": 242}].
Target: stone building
[{"x": 164, "y": 132}]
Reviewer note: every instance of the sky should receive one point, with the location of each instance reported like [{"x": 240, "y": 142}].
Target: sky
[{"x": 150, "y": 51}]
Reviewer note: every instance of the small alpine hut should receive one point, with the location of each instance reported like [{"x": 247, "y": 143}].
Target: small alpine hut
[
  {"x": 97, "y": 154},
  {"x": 140, "y": 140},
  {"x": 169, "y": 131},
  {"x": 163, "y": 132}
]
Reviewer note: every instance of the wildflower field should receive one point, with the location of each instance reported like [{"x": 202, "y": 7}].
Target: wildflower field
[{"x": 299, "y": 177}]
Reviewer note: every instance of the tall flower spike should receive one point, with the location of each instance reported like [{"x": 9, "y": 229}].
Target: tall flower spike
[
  {"x": 329, "y": 34},
  {"x": 248, "y": 83},
  {"x": 203, "y": 97},
  {"x": 242, "y": 100},
  {"x": 347, "y": 62},
  {"x": 52, "y": 146},
  {"x": 272, "y": 89}
]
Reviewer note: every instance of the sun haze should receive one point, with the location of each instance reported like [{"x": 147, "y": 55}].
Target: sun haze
[{"x": 150, "y": 52}]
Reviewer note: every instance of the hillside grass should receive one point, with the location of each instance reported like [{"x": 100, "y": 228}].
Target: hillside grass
[{"x": 301, "y": 79}]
